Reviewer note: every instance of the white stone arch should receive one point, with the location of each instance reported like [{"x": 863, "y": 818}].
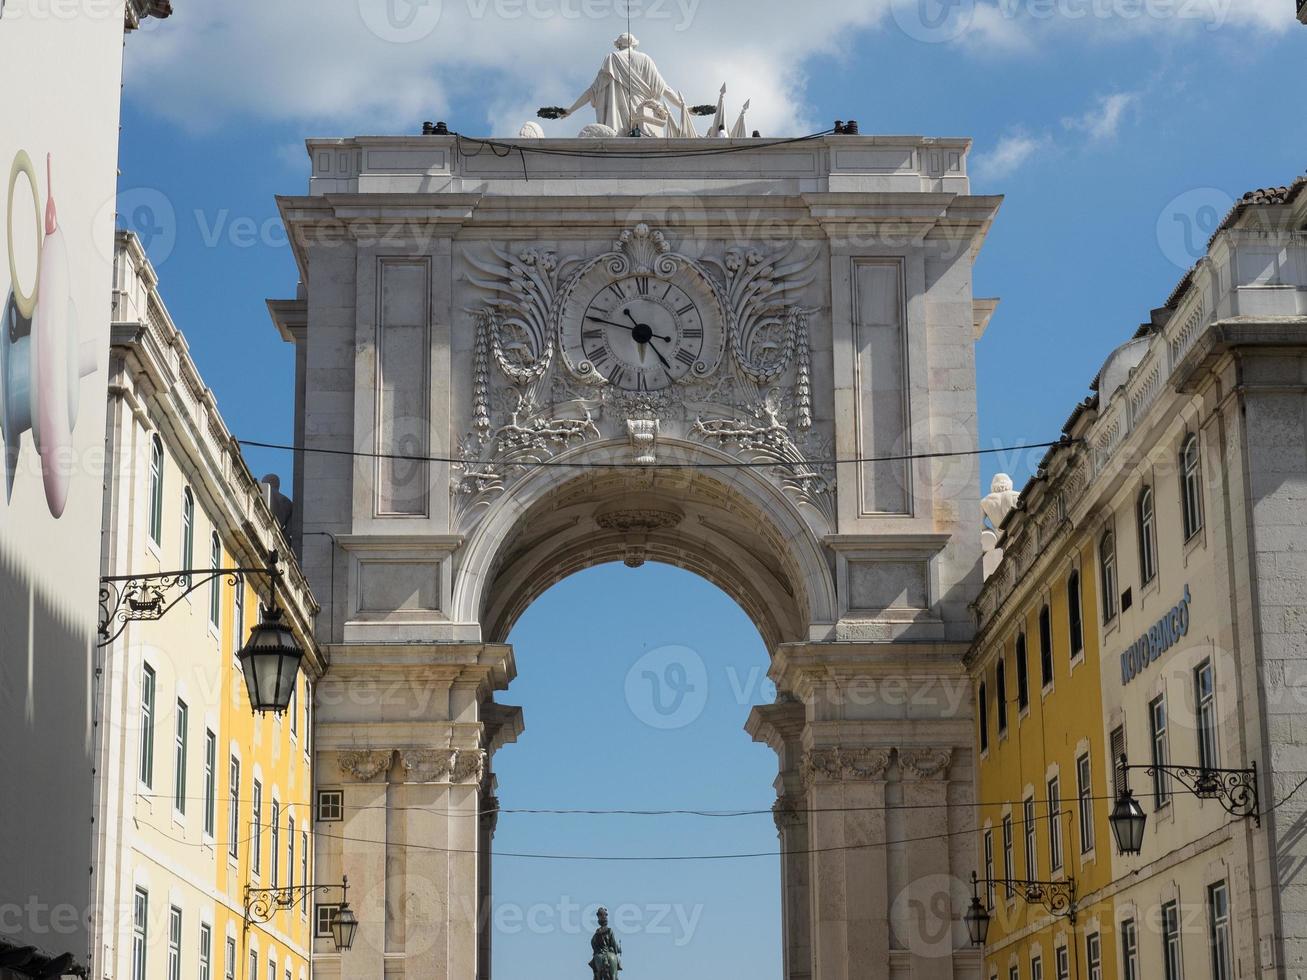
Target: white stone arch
[{"x": 736, "y": 528}]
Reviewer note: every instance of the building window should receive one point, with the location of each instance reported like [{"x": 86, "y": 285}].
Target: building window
[
  {"x": 215, "y": 585},
  {"x": 188, "y": 533},
  {"x": 1008, "y": 871},
  {"x": 206, "y": 950},
  {"x": 1094, "y": 956},
  {"x": 1218, "y": 910},
  {"x": 989, "y": 867},
  {"x": 1014, "y": 973},
  {"x": 331, "y": 805},
  {"x": 1085, "y": 794},
  {"x": 147, "y": 726},
  {"x": 1036, "y": 968},
  {"x": 1000, "y": 693},
  {"x": 234, "y": 806},
  {"x": 174, "y": 943},
  {"x": 254, "y": 965},
  {"x": 1157, "y": 729},
  {"x": 210, "y": 780},
  {"x": 179, "y": 759},
  {"x": 1063, "y": 964},
  {"x": 1023, "y": 674},
  {"x": 1045, "y": 647},
  {"x": 272, "y": 969},
  {"x": 308, "y": 714},
  {"x": 290, "y": 850},
  {"x": 1129, "y": 950},
  {"x": 1171, "y": 962},
  {"x": 304, "y": 870},
  {"x": 256, "y": 831},
  {"x": 1107, "y": 574},
  {"x": 1075, "y": 618},
  {"x": 1032, "y": 848},
  {"x": 1191, "y": 487},
  {"x": 238, "y": 614},
  {"x": 1205, "y": 701},
  {"x": 293, "y": 709},
  {"x": 1116, "y": 748},
  {"x": 156, "y": 490},
  {"x": 140, "y": 916},
  {"x": 1054, "y": 826},
  {"x": 1147, "y": 521},
  {"x": 322, "y": 920},
  {"x": 982, "y": 714},
  {"x": 229, "y": 967},
  {"x": 275, "y": 854}
]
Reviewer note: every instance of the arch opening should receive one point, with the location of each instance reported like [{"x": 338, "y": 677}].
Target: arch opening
[{"x": 732, "y": 527}]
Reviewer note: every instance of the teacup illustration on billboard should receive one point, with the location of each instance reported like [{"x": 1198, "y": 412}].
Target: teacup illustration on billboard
[{"x": 42, "y": 358}]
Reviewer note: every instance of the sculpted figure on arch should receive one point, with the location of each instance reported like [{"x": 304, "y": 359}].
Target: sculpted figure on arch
[{"x": 629, "y": 92}]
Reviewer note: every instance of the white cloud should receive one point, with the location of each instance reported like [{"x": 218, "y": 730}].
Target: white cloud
[
  {"x": 383, "y": 65},
  {"x": 1008, "y": 155},
  {"x": 1104, "y": 120}
]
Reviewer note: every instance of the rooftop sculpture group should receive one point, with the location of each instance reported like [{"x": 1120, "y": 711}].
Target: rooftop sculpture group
[{"x": 630, "y": 97}]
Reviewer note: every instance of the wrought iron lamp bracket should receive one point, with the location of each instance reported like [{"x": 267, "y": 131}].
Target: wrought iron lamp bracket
[
  {"x": 261, "y": 904},
  {"x": 147, "y": 598},
  {"x": 1057, "y": 897},
  {"x": 1234, "y": 789}
]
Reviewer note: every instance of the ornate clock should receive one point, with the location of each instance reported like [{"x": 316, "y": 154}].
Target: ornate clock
[{"x": 642, "y": 331}]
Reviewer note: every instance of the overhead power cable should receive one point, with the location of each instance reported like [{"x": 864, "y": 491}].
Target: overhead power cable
[{"x": 710, "y": 465}]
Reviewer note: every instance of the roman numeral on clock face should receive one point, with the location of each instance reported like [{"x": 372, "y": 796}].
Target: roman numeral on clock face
[
  {"x": 642, "y": 285},
  {"x": 685, "y": 309},
  {"x": 592, "y": 334},
  {"x": 685, "y": 357},
  {"x": 617, "y": 374},
  {"x": 695, "y": 332}
]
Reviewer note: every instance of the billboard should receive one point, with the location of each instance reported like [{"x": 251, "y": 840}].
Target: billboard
[{"x": 62, "y": 60}]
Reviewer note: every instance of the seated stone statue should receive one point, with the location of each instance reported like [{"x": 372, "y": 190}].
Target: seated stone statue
[
  {"x": 629, "y": 92},
  {"x": 607, "y": 959}
]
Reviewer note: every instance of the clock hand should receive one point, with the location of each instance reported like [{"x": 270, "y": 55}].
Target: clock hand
[
  {"x": 610, "y": 323},
  {"x": 666, "y": 366}
]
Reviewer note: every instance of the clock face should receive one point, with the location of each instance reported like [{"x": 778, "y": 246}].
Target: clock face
[{"x": 642, "y": 332}]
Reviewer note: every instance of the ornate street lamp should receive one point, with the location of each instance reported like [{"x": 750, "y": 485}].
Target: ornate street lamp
[
  {"x": 270, "y": 658},
  {"x": 1128, "y": 820},
  {"x": 1234, "y": 789},
  {"x": 270, "y": 661},
  {"x": 977, "y": 916},
  {"x": 1057, "y": 897},
  {"x": 261, "y": 904},
  {"x": 344, "y": 923}
]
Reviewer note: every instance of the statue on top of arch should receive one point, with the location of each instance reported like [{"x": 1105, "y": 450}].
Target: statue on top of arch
[{"x": 630, "y": 96}]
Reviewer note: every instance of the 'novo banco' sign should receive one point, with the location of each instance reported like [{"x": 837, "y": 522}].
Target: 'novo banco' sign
[{"x": 1161, "y": 636}]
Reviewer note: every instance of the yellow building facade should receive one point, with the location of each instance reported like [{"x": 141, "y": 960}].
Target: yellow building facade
[
  {"x": 198, "y": 799},
  {"x": 1042, "y": 770}
]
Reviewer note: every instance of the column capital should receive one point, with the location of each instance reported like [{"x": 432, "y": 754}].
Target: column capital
[
  {"x": 840, "y": 764},
  {"x": 364, "y": 765},
  {"x": 788, "y": 812},
  {"x": 925, "y": 763}
]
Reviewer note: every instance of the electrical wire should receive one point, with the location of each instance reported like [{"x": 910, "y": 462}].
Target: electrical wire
[
  {"x": 592, "y": 465},
  {"x": 525, "y": 146}
]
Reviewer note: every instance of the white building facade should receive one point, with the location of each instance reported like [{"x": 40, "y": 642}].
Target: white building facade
[{"x": 197, "y": 799}]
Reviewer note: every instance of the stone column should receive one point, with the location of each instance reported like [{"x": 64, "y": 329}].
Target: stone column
[
  {"x": 845, "y": 790},
  {"x": 407, "y": 724},
  {"x": 927, "y": 917},
  {"x": 781, "y": 726}
]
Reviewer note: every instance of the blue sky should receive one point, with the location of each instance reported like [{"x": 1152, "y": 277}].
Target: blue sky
[{"x": 1119, "y": 131}]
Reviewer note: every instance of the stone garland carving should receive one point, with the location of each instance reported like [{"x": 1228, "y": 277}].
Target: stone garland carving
[
  {"x": 925, "y": 763},
  {"x": 838, "y": 764},
  {"x": 443, "y": 765},
  {"x": 788, "y": 812},
  {"x": 427, "y": 765},
  {"x": 365, "y": 764},
  {"x": 528, "y": 407}
]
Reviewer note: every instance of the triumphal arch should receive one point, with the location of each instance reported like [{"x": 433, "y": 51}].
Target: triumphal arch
[{"x": 519, "y": 358}]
